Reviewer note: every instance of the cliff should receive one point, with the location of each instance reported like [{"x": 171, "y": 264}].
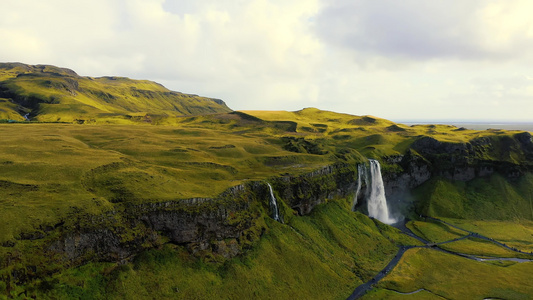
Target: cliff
[
  {"x": 429, "y": 159},
  {"x": 220, "y": 227}
]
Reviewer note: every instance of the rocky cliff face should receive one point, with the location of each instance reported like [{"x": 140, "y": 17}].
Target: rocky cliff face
[
  {"x": 224, "y": 226},
  {"x": 428, "y": 157},
  {"x": 415, "y": 171},
  {"x": 303, "y": 193},
  {"x": 200, "y": 223},
  {"x": 509, "y": 156}
]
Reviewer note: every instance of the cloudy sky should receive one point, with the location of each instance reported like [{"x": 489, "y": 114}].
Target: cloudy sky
[{"x": 410, "y": 59}]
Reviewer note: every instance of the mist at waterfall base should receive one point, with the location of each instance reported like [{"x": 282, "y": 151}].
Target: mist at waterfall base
[{"x": 375, "y": 193}]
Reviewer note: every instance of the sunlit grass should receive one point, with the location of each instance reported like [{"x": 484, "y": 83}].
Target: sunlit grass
[
  {"x": 480, "y": 247},
  {"x": 49, "y": 169},
  {"x": 491, "y": 198},
  {"x": 435, "y": 232},
  {"x": 53, "y": 94},
  {"x": 454, "y": 277},
  {"x": 517, "y": 233}
]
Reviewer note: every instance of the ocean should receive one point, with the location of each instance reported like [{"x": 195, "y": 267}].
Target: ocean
[{"x": 527, "y": 126}]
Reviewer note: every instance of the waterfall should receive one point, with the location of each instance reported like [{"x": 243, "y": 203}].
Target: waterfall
[
  {"x": 377, "y": 202},
  {"x": 273, "y": 204},
  {"x": 361, "y": 173}
]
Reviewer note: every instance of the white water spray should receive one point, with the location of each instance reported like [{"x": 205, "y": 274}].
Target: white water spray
[
  {"x": 377, "y": 202},
  {"x": 273, "y": 204}
]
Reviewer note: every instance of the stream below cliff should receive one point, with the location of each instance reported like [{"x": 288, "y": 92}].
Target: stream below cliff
[{"x": 367, "y": 286}]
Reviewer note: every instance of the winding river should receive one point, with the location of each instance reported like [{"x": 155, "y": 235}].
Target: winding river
[{"x": 367, "y": 286}]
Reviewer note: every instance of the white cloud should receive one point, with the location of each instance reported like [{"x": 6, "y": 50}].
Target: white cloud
[
  {"x": 425, "y": 30},
  {"x": 394, "y": 59}
]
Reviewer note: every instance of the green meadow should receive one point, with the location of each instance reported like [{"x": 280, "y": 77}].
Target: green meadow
[
  {"x": 50, "y": 169},
  {"x": 424, "y": 273},
  {"x": 517, "y": 233},
  {"x": 447, "y": 276},
  {"x": 483, "y": 198}
]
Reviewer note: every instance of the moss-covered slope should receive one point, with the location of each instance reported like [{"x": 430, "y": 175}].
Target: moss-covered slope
[{"x": 491, "y": 198}]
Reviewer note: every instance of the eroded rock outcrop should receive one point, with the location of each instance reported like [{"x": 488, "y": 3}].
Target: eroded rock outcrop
[
  {"x": 225, "y": 225},
  {"x": 304, "y": 192},
  {"x": 427, "y": 157},
  {"x": 507, "y": 155}
]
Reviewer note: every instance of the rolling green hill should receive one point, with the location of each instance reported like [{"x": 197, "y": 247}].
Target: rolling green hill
[{"x": 51, "y": 94}]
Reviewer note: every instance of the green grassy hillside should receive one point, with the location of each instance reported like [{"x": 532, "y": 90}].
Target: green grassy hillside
[
  {"x": 52, "y": 94},
  {"x": 446, "y": 276},
  {"x": 320, "y": 256},
  {"x": 49, "y": 168},
  {"x": 492, "y": 198},
  {"x": 73, "y": 174}
]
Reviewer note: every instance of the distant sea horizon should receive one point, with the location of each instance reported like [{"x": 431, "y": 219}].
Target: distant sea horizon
[{"x": 475, "y": 125}]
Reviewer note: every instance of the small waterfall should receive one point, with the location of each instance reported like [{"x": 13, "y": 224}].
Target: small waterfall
[
  {"x": 273, "y": 204},
  {"x": 27, "y": 117},
  {"x": 361, "y": 173},
  {"x": 377, "y": 202}
]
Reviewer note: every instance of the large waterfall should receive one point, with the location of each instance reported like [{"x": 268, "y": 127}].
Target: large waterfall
[
  {"x": 377, "y": 202},
  {"x": 273, "y": 204},
  {"x": 375, "y": 192}
]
